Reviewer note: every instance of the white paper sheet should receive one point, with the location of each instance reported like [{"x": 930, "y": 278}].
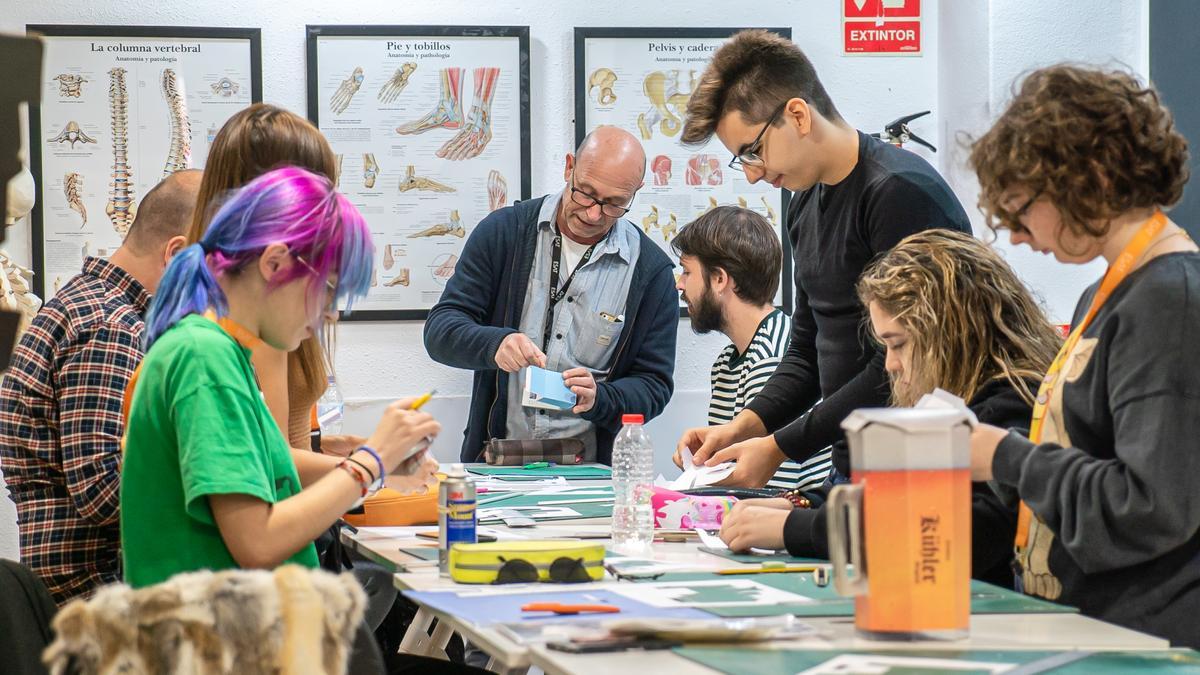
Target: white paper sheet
[{"x": 696, "y": 475}]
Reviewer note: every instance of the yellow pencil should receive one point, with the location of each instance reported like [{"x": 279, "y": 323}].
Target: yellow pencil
[
  {"x": 769, "y": 570},
  {"x": 422, "y": 399}
]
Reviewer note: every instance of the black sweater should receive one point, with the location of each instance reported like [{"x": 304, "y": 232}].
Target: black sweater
[
  {"x": 836, "y": 231},
  {"x": 993, "y": 524}
]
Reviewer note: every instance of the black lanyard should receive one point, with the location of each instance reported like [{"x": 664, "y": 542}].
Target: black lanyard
[{"x": 557, "y": 294}]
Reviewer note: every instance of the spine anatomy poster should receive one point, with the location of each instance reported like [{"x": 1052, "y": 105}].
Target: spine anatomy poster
[
  {"x": 119, "y": 113},
  {"x": 431, "y": 135},
  {"x": 641, "y": 79}
]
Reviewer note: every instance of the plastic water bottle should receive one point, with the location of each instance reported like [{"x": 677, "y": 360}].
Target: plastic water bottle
[
  {"x": 330, "y": 407},
  {"x": 632, "y": 466}
]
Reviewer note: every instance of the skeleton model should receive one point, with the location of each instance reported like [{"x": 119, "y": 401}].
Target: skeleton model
[
  {"x": 651, "y": 220},
  {"x": 72, "y": 186},
  {"x": 445, "y": 269},
  {"x": 401, "y": 279},
  {"x": 370, "y": 170},
  {"x": 71, "y": 134},
  {"x": 770, "y": 211},
  {"x": 15, "y": 294},
  {"x": 668, "y": 93},
  {"x": 225, "y": 87},
  {"x": 602, "y": 80},
  {"x": 121, "y": 205},
  {"x": 452, "y": 229},
  {"x": 179, "y": 156},
  {"x": 346, "y": 91},
  {"x": 396, "y": 83},
  {"x": 412, "y": 181},
  {"x": 661, "y": 167},
  {"x": 447, "y": 114},
  {"x": 497, "y": 190},
  {"x": 70, "y": 85},
  {"x": 703, "y": 169},
  {"x": 475, "y": 136}
]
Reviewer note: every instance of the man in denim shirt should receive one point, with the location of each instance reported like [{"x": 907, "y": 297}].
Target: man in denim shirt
[{"x": 563, "y": 282}]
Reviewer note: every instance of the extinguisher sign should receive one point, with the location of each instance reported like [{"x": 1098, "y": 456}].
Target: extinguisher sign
[{"x": 881, "y": 26}]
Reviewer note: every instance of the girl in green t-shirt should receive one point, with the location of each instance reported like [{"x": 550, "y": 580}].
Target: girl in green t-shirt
[{"x": 208, "y": 481}]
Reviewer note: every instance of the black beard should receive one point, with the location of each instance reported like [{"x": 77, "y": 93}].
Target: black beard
[{"x": 705, "y": 313}]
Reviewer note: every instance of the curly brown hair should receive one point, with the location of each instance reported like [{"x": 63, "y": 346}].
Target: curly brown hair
[
  {"x": 1095, "y": 143},
  {"x": 969, "y": 317}
]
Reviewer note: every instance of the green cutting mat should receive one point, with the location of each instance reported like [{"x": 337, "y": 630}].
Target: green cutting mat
[
  {"x": 569, "y": 471},
  {"x": 495, "y": 500},
  {"x": 985, "y": 598},
  {"x": 422, "y": 552},
  {"x": 788, "y": 661}
]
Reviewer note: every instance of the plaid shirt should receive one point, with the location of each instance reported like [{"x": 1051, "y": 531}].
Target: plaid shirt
[{"x": 61, "y": 426}]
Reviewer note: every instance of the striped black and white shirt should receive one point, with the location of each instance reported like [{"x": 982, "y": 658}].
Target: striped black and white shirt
[{"x": 737, "y": 378}]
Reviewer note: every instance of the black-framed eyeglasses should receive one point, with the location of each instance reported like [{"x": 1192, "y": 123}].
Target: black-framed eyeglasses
[
  {"x": 563, "y": 570},
  {"x": 752, "y": 155},
  {"x": 1017, "y": 215},
  {"x": 587, "y": 201}
]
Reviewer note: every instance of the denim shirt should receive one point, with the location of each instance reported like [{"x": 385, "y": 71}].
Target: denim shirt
[{"x": 583, "y": 332}]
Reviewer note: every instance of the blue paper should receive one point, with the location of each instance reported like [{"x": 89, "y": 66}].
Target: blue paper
[
  {"x": 489, "y": 609},
  {"x": 546, "y": 388}
]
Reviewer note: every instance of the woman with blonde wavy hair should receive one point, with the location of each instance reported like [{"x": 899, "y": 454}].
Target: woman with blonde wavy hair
[
  {"x": 951, "y": 314},
  {"x": 1082, "y": 165}
]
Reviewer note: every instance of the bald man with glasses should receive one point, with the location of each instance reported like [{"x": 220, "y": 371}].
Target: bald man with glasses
[{"x": 563, "y": 282}]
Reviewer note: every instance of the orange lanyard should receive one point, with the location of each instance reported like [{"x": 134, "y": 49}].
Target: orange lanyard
[
  {"x": 232, "y": 328},
  {"x": 1116, "y": 273}
]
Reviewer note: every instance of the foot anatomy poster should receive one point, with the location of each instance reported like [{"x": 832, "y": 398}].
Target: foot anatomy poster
[
  {"x": 122, "y": 108},
  {"x": 641, "y": 79},
  {"x": 430, "y": 125}
]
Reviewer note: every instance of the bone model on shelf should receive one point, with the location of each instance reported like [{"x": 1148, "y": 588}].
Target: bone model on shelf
[
  {"x": 396, "y": 83},
  {"x": 15, "y": 292},
  {"x": 179, "y": 155},
  {"x": 345, "y": 92},
  {"x": 497, "y": 190},
  {"x": 72, "y": 134},
  {"x": 72, "y": 186},
  {"x": 121, "y": 207},
  {"x": 70, "y": 85},
  {"x": 412, "y": 181}
]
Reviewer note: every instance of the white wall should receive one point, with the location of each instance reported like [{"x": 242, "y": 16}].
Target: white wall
[{"x": 961, "y": 76}]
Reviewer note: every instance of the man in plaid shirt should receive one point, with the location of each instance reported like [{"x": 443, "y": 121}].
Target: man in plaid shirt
[{"x": 60, "y": 400}]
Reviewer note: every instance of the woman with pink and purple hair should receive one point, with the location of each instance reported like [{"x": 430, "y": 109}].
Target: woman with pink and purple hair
[{"x": 208, "y": 481}]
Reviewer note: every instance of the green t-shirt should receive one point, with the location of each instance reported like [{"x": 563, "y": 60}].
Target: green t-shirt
[{"x": 198, "y": 426}]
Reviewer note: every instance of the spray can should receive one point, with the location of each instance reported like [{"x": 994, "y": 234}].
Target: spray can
[{"x": 456, "y": 514}]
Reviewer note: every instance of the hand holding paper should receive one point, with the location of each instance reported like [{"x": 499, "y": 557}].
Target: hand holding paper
[
  {"x": 696, "y": 476},
  {"x": 546, "y": 389}
]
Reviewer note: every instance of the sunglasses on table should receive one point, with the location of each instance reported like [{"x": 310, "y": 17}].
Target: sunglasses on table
[{"x": 562, "y": 571}]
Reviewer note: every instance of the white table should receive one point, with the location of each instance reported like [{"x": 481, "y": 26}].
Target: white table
[{"x": 987, "y": 631}]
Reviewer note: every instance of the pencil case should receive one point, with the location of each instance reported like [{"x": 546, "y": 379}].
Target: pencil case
[
  {"x": 390, "y": 508},
  {"x": 527, "y": 561}
]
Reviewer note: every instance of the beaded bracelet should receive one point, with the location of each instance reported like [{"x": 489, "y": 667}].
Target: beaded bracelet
[{"x": 797, "y": 498}]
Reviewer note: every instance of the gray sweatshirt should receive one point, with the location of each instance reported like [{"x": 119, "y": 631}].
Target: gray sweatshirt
[{"x": 1116, "y": 484}]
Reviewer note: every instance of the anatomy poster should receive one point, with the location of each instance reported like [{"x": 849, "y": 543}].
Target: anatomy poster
[
  {"x": 123, "y": 108},
  {"x": 431, "y": 128},
  {"x": 640, "y": 79}
]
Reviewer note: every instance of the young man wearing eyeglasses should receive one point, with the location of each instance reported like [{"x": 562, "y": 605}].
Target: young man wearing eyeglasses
[
  {"x": 855, "y": 197},
  {"x": 566, "y": 283}
]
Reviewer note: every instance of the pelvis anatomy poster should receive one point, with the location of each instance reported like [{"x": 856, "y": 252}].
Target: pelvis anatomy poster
[
  {"x": 641, "y": 79},
  {"x": 122, "y": 108},
  {"x": 431, "y": 128}
]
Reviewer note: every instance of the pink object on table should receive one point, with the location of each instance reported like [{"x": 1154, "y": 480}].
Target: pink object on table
[{"x": 677, "y": 511}]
